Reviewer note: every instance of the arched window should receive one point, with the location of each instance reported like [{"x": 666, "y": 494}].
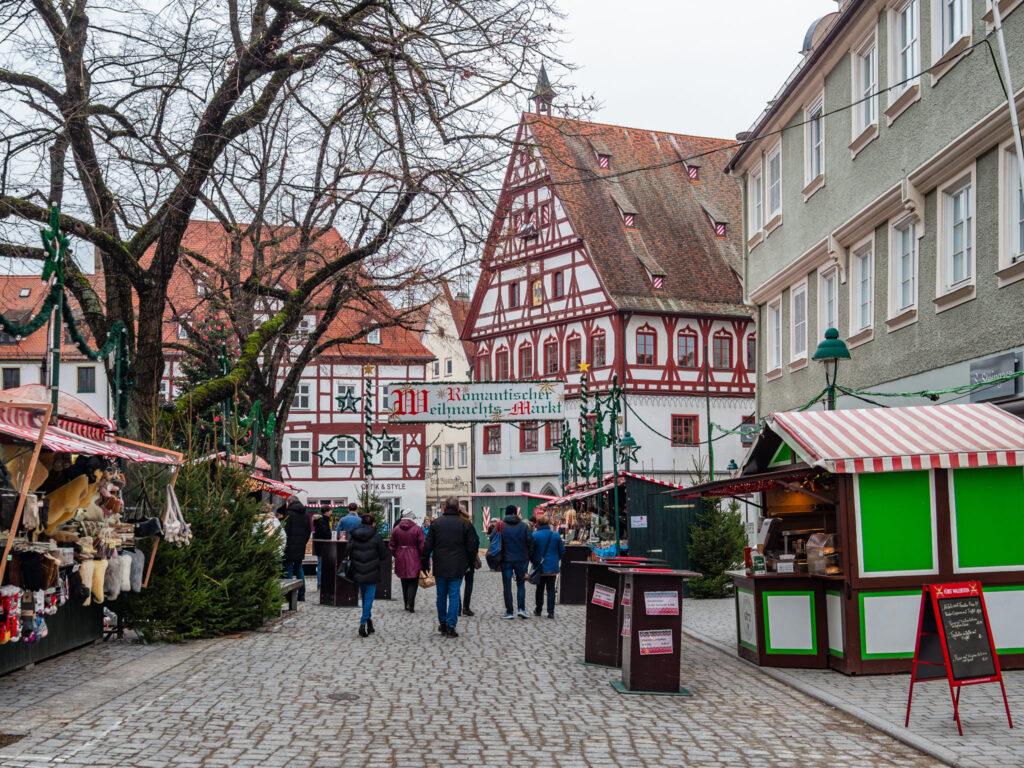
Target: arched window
[
  {"x": 722, "y": 351},
  {"x": 573, "y": 353},
  {"x": 551, "y": 356},
  {"x": 646, "y": 346},
  {"x": 526, "y": 361},
  {"x": 686, "y": 349},
  {"x": 487, "y": 489},
  {"x": 548, "y": 490}
]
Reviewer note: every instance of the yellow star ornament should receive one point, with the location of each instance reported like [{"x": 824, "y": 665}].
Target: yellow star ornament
[
  {"x": 584, "y": 367},
  {"x": 368, "y": 369}
]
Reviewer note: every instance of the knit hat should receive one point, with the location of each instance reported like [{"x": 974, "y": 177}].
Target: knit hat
[{"x": 408, "y": 515}]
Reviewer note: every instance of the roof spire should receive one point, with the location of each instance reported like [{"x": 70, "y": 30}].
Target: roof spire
[{"x": 543, "y": 94}]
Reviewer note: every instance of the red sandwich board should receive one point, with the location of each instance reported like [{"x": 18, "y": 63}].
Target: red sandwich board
[{"x": 954, "y": 641}]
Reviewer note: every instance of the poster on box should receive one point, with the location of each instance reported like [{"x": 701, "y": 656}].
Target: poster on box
[
  {"x": 661, "y": 603},
  {"x": 627, "y": 596},
  {"x": 603, "y": 596},
  {"x": 654, "y": 641},
  {"x": 626, "y": 625}
]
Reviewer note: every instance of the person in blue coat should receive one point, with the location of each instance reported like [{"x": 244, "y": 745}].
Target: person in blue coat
[
  {"x": 351, "y": 521},
  {"x": 548, "y": 549},
  {"x": 516, "y": 553}
]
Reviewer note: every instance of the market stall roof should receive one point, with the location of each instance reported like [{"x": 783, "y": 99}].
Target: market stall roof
[
  {"x": 899, "y": 439},
  {"x": 260, "y": 483},
  {"x": 584, "y": 491},
  {"x": 73, "y": 414},
  {"x": 243, "y": 460},
  {"x": 744, "y": 485},
  {"x": 22, "y": 421}
]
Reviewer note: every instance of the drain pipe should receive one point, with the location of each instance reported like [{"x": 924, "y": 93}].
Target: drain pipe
[{"x": 1011, "y": 100}]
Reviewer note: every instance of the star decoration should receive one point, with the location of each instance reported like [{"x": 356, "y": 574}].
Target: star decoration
[
  {"x": 546, "y": 386},
  {"x": 627, "y": 453},
  {"x": 348, "y": 403},
  {"x": 368, "y": 369},
  {"x": 584, "y": 367},
  {"x": 440, "y": 393},
  {"x": 496, "y": 414}
]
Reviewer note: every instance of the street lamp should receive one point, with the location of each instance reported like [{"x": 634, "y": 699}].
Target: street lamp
[
  {"x": 733, "y": 466},
  {"x": 437, "y": 482},
  {"x": 831, "y": 350}
]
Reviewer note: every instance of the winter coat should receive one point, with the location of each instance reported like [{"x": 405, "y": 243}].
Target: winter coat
[
  {"x": 406, "y": 545},
  {"x": 366, "y": 551},
  {"x": 516, "y": 540},
  {"x": 296, "y": 533},
  {"x": 453, "y": 543},
  {"x": 349, "y": 522},
  {"x": 549, "y": 545},
  {"x": 321, "y": 530}
]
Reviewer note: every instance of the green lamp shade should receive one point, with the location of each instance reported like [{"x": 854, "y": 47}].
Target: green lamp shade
[
  {"x": 627, "y": 440},
  {"x": 831, "y": 347},
  {"x": 733, "y": 466}
]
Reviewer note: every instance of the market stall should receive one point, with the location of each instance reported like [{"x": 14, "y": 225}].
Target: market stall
[
  {"x": 69, "y": 546},
  {"x": 863, "y": 507}
]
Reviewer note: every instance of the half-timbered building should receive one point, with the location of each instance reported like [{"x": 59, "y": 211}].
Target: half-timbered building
[{"x": 618, "y": 248}]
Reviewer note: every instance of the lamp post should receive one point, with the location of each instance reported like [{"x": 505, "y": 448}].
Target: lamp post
[
  {"x": 830, "y": 351},
  {"x": 626, "y": 452},
  {"x": 437, "y": 482}
]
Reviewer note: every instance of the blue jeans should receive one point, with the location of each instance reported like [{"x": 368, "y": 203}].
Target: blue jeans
[
  {"x": 295, "y": 567},
  {"x": 319, "y": 567},
  {"x": 366, "y": 593},
  {"x": 448, "y": 600},
  {"x": 508, "y": 570}
]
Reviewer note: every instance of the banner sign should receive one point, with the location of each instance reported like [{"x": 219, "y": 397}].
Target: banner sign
[{"x": 488, "y": 401}]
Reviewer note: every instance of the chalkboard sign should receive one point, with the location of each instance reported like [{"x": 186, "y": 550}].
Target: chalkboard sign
[
  {"x": 971, "y": 655},
  {"x": 954, "y": 642}
]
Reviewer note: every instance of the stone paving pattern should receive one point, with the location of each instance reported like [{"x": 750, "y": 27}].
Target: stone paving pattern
[
  {"x": 506, "y": 693},
  {"x": 882, "y": 699}
]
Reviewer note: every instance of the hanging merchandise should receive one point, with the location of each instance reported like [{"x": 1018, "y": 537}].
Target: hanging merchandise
[{"x": 176, "y": 530}]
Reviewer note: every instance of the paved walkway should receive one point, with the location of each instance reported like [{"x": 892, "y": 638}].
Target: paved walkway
[
  {"x": 505, "y": 694},
  {"x": 881, "y": 700}
]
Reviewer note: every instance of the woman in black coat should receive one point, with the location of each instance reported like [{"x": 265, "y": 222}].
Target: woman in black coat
[
  {"x": 297, "y": 530},
  {"x": 366, "y": 552}
]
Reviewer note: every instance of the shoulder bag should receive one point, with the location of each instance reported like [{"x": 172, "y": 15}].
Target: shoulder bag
[{"x": 535, "y": 573}]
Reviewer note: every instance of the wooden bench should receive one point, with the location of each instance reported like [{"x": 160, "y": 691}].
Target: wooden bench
[{"x": 291, "y": 587}]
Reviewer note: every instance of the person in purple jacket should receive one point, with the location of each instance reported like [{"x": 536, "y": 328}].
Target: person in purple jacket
[{"x": 406, "y": 543}]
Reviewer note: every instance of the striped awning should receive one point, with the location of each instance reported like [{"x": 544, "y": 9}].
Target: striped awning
[
  {"x": 900, "y": 439},
  {"x": 277, "y": 487}
]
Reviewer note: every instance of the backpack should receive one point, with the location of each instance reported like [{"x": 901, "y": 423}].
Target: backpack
[{"x": 494, "y": 553}]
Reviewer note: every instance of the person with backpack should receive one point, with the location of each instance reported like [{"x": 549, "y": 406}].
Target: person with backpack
[
  {"x": 366, "y": 552},
  {"x": 516, "y": 552},
  {"x": 548, "y": 549},
  {"x": 452, "y": 542}
]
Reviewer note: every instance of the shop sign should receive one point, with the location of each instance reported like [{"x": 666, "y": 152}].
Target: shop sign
[
  {"x": 654, "y": 641},
  {"x": 638, "y": 521},
  {"x": 603, "y": 596},
  {"x": 992, "y": 368},
  {"x": 492, "y": 401},
  {"x": 661, "y": 603}
]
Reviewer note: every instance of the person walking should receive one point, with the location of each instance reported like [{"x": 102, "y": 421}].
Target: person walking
[
  {"x": 321, "y": 531},
  {"x": 351, "y": 521},
  {"x": 548, "y": 549},
  {"x": 516, "y": 553},
  {"x": 453, "y": 544},
  {"x": 406, "y": 544},
  {"x": 366, "y": 552},
  {"x": 467, "y": 591},
  {"x": 297, "y": 531}
]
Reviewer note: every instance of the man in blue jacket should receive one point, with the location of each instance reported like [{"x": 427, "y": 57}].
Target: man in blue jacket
[
  {"x": 548, "y": 549},
  {"x": 351, "y": 521},
  {"x": 516, "y": 552}
]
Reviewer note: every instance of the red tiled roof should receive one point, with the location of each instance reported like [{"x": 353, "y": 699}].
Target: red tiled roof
[
  {"x": 674, "y": 216},
  {"x": 460, "y": 314}
]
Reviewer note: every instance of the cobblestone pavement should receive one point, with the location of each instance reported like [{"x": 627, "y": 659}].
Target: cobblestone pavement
[
  {"x": 881, "y": 700},
  {"x": 506, "y": 693}
]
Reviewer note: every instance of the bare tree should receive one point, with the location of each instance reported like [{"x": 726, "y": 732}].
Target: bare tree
[{"x": 132, "y": 119}]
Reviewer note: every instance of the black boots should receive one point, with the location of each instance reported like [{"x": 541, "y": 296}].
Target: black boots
[
  {"x": 362, "y": 631},
  {"x": 369, "y": 626},
  {"x": 450, "y": 632}
]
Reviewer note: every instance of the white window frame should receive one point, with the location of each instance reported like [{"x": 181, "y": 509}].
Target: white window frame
[
  {"x": 901, "y": 314},
  {"x": 347, "y": 451},
  {"x": 1011, "y": 223},
  {"x": 463, "y": 454},
  {"x": 798, "y": 293},
  {"x": 755, "y": 190},
  {"x": 373, "y": 337},
  {"x": 447, "y": 366},
  {"x": 302, "y": 397},
  {"x": 436, "y": 369},
  {"x": 449, "y": 456},
  {"x": 947, "y": 293},
  {"x": 862, "y": 254},
  {"x": 776, "y": 212},
  {"x": 395, "y": 457},
  {"x": 912, "y": 47},
  {"x": 947, "y": 34},
  {"x": 773, "y": 319},
  {"x": 865, "y": 110},
  {"x": 299, "y": 447},
  {"x": 341, "y": 389},
  {"x": 830, "y": 275},
  {"x": 814, "y": 171}
]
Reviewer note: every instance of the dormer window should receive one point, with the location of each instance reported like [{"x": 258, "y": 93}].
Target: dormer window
[
  {"x": 693, "y": 172},
  {"x": 24, "y": 293},
  {"x": 373, "y": 337},
  {"x": 720, "y": 229},
  {"x": 629, "y": 219},
  {"x": 658, "y": 283},
  {"x": 604, "y": 161}
]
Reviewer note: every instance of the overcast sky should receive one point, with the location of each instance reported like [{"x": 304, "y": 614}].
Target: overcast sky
[{"x": 685, "y": 66}]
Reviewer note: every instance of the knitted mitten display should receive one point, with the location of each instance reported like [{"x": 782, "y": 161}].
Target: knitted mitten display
[
  {"x": 125, "y": 561},
  {"x": 99, "y": 572},
  {"x": 86, "y": 572},
  {"x": 112, "y": 579},
  {"x": 138, "y": 568}
]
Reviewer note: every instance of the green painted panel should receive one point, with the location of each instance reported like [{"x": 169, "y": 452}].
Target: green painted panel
[
  {"x": 782, "y": 456},
  {"x": 989, "y": 504},
  {"x": 864, "y": 629},
  {"x": 896, "y": 521}
]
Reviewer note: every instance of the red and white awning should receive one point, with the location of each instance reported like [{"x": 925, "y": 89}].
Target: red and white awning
[
  {"x": 900, "y": 439},
  {"x": 260, "y": 483}
]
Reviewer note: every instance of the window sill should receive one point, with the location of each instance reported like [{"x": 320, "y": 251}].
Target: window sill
[
  {"x": 860, "y": 337},
  {"x": 902, "y": 319},
  {"x": 948, "y": 60},
  {"x": 773, "y": 223},
  {"x": 954, "y": 298},
  {"x": 911, "y": 94},
  {"x": 796, "y": 365},
  {"x": 866, "y": 136},
  {"x": 755, "y": 240},
  {"x": 1010, "y": 273},
  {"x": 773, "y": 374},
  {"x": 813, "y": 186},
  {"x": 1005, "y": 7}
]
